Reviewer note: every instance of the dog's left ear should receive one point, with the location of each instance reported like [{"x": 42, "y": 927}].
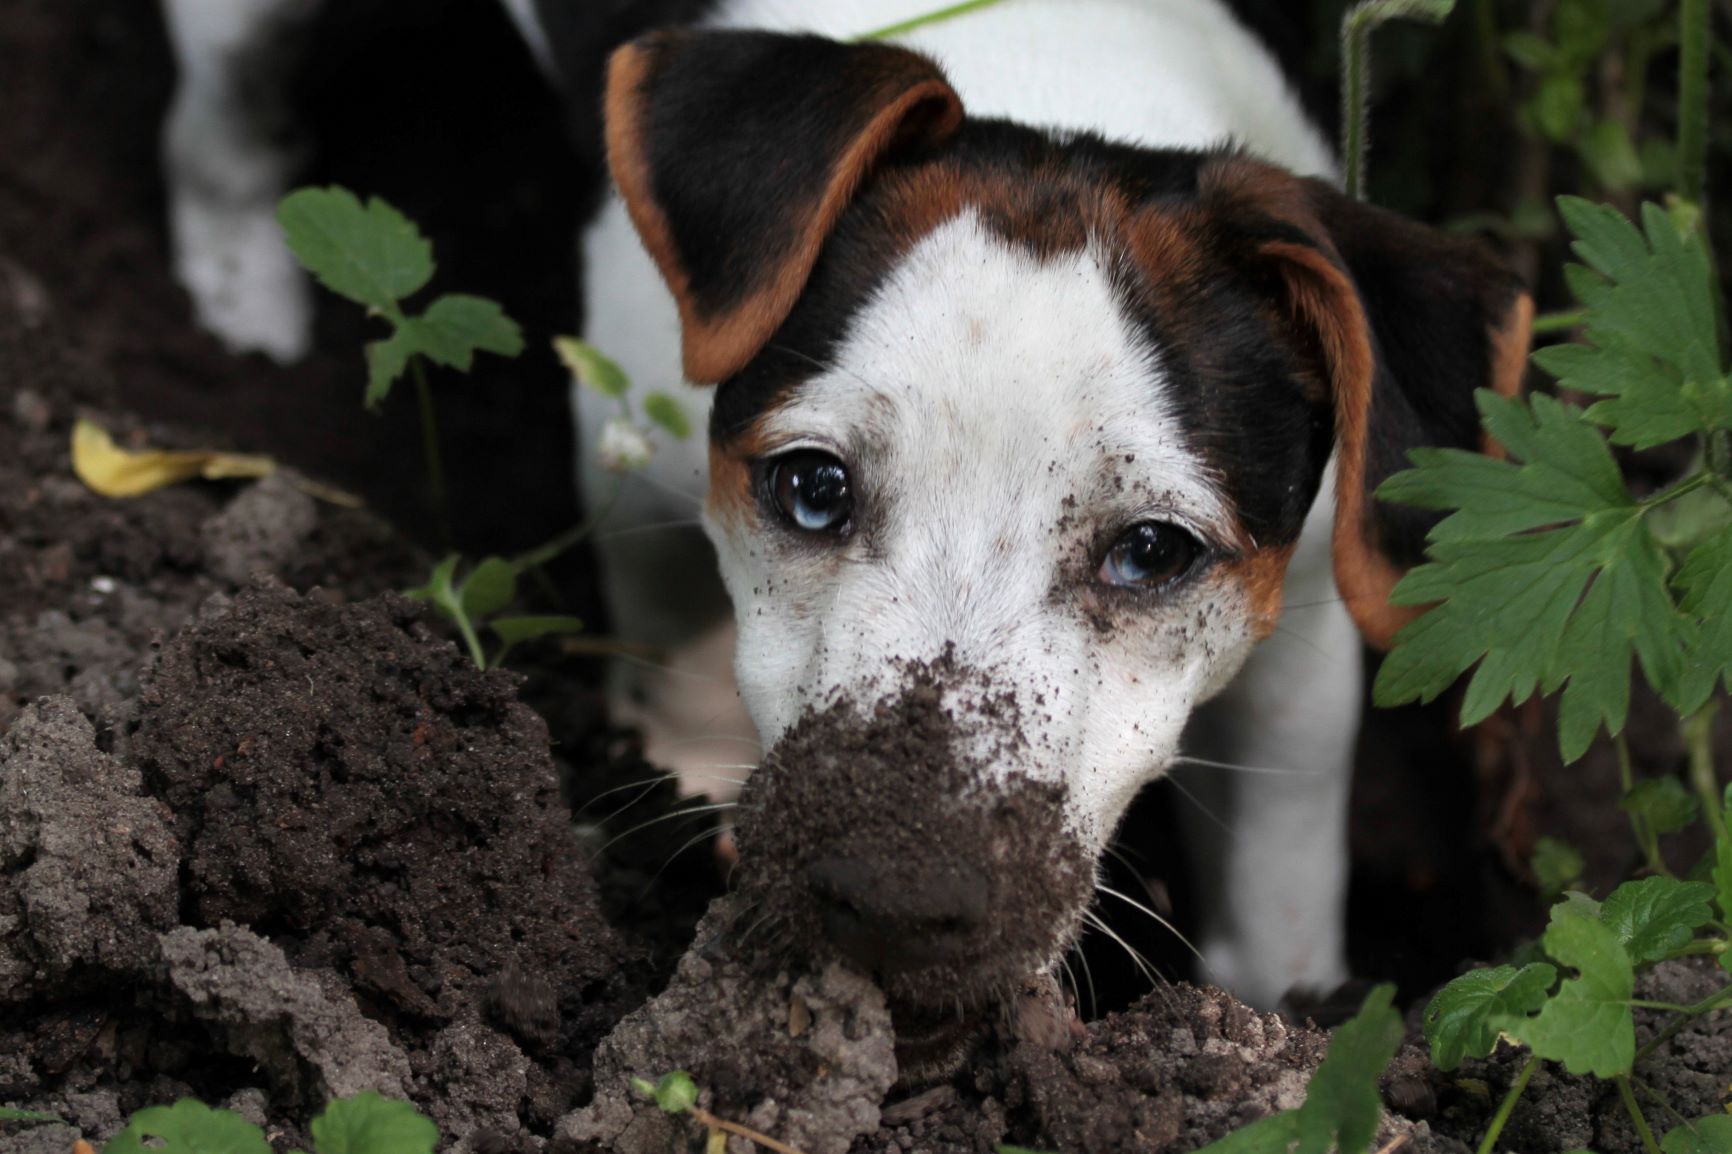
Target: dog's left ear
[
  {"x": 736, "y": 152},
  {"x": 1407, "y": 321}
]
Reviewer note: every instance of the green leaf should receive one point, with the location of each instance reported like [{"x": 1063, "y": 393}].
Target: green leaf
[
  {"x": 386, "y": 361},
  {"x": 1342, "y": 1106},
  {"x": 439, "y": 589},
  {"x": 1528, "y": 50},
  {"x": 1705, "y": 584},
  {"x": 1710, "y": 1135},
  {"x": 1656, "y": 917},
  {"x": 592, "y": 367},
  {"x": 1587, "y": 1024},
  {"x": 514, "y": 631},
  {"x": 1722, "y": 875},
  {"x": 1547, "y": 574},
  {"x": 370, "y": 1124},
  {"x": 1662, "y": 802},
  {"x": 490, "y": 587},
  {"x": 676, "y": 1093},
  {"x": 456, "y": 326},
  {"x": 189, "y": 1127},
  {"x": 1272, "y": 1135},
  {"x": 371, "y": 254},
  {"x": 1461, "y": 1020},
  {"x": 1610, "y": 153},
  {"x": 1556, "y": 864},
  {"x": 664, "y": 411},
  {"x": 9, "y": 1114},
  {"x": 1557, "y": 106}
]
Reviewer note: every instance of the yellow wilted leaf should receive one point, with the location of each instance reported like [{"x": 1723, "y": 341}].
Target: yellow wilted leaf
[{"x": 117, "y": 472}]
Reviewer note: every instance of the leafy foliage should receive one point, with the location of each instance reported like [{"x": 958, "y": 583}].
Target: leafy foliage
[
  {"x": 370, "y": 1124},
  {"x": 375, "y": 256},
  {"x": 1546, "y": 573},
  {"x": 1586, "y": 1024},
  {"x": 1557, "y": 865},
  {"x": 1657, "y": 917},
  {"x": 487, "y": 589},
  {"x": 362, "y": 1124},
  {"x": 1711, "y": 1135},
  {"x": 1662, "y": 802},
  {"x": 1462, "y": 1020}
]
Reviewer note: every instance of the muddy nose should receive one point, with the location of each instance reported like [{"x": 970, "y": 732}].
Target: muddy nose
[{"x": 889, "y": 922}]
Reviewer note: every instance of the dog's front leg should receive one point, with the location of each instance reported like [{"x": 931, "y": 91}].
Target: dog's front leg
[
  {"x": 228, "y": 154},
  {"x": 1270, "y": 852}
]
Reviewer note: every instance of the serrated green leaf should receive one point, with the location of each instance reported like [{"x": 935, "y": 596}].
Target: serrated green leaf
[
  {"x": 1704, "y": 582},
  {"x": 369, "y": 1124},
  {"x": 490, "y": 587},
  {"x": 1272, "y": 1135},
  {"x": 1645, "y": 405},
  {"x": 665, "y": 412},
  {"x": 1710, "y": 1135},
  {"x": 1557, "y": 865},
  {"x": 1587, "y": 1024},
  {"x": 386, "y": 361},
  {"x": 1575, "y": 904},
  {"x": 1656, "y": 917},
  {"x": 456, "y": 326},
  {"x": 372, "y": 254},
  {"x": 1342, "y": 1106},
  {"x": 676, "y": 1093},
  {"x": 1460, "y": 1021},
  {"x": 1662, "y": 802},
  {"x": 592, "y": 368},
  {"x": 189, "y": 1127}
]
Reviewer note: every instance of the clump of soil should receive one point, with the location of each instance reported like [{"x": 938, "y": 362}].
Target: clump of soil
[
  {"x": 805, "y": 1058},
  {"x": 906, "y": 786}
]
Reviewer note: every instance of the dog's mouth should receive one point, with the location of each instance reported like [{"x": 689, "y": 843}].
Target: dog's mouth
[{"x": 884, "y": 835}]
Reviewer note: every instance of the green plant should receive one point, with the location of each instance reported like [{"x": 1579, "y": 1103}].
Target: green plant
[
  {"x": 362, "y": 1124},
  {"x": 1585, "y": 1022},
  {"x": 626, "y": 444},
  {"x": 476, "y": 601},
  {"x": 676, "y": 1093},
  {"x": 1356, "y": 29},
  {"x": 9, "y": 1114},
  {"x": 375, "y": 256}
]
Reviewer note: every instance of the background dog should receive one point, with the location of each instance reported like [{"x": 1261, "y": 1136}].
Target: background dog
[{"x": 1011, "y": 417}]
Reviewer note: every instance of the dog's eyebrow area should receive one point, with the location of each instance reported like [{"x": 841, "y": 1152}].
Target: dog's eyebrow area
[{"x": 980, "y": 375}]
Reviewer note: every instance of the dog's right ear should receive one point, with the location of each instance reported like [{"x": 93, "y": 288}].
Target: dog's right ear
[{"x": 736, "y": 152}]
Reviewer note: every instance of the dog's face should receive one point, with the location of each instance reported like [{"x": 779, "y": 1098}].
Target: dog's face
[{"x": 1014, "y": 438}]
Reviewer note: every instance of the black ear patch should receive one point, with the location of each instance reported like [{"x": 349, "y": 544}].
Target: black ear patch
[
  {"x": 736, "y": 152},
  {"x": 1409, "y": 321}
]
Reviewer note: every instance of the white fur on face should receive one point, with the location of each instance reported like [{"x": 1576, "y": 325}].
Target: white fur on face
[{"x": 1002, "y": 422}]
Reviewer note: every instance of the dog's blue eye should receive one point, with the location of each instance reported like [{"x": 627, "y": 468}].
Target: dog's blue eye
[
  {"x": 1149, "y": 554},
  {"x": 812, "y": 491}
]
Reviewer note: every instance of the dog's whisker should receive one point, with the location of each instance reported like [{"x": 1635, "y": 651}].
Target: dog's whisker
[
  {"x": 690, "y": 842},
  {"x": 648, "y": 788},
  {"x": 1158, "y": 919},
  {"x": 1141, "y": 963},
  {"x": 1193, "y": 799},
  {"x": 687, "y": 811},
  {"x": 1271, "y": 770},
  {"x": 664, "y": 667},
  {"x": 652, "y": 527}
]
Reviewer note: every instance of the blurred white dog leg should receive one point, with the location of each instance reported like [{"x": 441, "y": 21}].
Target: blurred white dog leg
[{"x": 228, "y": 154}]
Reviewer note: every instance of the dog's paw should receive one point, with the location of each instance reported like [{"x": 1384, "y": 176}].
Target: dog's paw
[{"x": 246, "y": 287}]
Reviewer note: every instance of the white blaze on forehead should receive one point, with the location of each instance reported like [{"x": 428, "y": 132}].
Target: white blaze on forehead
[{"x": 998, "y": 413}]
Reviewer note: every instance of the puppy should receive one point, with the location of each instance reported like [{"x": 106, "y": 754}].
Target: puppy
[{"x": 1048, "y": 376}]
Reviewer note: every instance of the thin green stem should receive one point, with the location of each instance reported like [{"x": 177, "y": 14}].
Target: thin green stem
[
  {"x": 1670, "y": 1007},
  {"x": 1642, "y": 1130},
  {"x": 1560, "y": 322},
  {"x": 1688, "y": 485},
  {"x": 949, "y": 12},
  {"x": 470, "y": 640},
  {"x": 553, "y": 547},
  {"x": 1698, "y": 731},
  {"x": 1706, "y": 1006},
  {"x": 1646, "y": 838},
  {"x": 1703, "y": 946},
  {"x": 1507, "y": 1106},
  {"x": 1356, "y": 28},
  {"x": 430, "y": 455},
  {"x": 1693, "y": 36}
]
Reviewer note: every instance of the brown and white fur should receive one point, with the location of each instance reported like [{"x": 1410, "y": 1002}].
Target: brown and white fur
[{"x": 1038, "y": 280}]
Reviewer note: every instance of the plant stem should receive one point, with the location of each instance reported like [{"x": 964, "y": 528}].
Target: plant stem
[
  {"x": 1645, "y": 837},
  {"x": 1561, "y": 322},
  {"x": 1693, "y": 35},
  {"x": 1356, "y": 29},
  {"x": 1507, "y": 1106},
  {"x": 1642, "y": 1130},
  {"x": 1670, "y": 1007},
  {"x": 470, "y": 640},
  {"x": 1706, "y": 1006},
  {"x": 554, "y": 546},
  {"x": 936, "y": 16},
  {"x": 1698, "y": 731},
  {"x": 430, "y": 450},
  {"x": 746, "y": 1132}
]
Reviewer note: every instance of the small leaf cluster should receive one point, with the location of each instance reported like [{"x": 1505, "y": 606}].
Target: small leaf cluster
[
  {"x": 1575, "y": 1007},
  {"x": 1566, "y": 62},
  {"x": 1342, "y": 1106},
  {"x": 362, "y": 1124},
  {"x": 1548, "y": 573},
  {"x": 625, "y": 443},
  {"x": 477, "y": 600},
  {"x": 375, "y": 256}
]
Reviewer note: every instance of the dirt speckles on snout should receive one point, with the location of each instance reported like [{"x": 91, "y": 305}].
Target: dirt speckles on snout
[{"x": 908, "y": 785}]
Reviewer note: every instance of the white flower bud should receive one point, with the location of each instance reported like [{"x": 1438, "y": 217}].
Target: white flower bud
[{"x": 625, "y": 446}]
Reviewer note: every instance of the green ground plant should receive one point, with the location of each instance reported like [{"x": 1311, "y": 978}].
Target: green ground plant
[{"x": 362, "y": 1124}]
